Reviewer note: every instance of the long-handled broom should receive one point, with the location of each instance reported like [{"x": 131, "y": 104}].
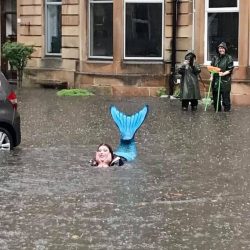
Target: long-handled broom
[
  {"x": 212, "y": 70},
  {"x": 218, "y": 95},
  {"x": 207, "y": 100}
]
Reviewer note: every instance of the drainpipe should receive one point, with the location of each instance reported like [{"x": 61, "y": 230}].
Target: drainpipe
[
  {"x": 173, "y": 47},
  {"x": 193, "y": 21}
]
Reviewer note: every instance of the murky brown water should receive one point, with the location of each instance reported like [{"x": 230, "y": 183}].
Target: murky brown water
[{"x": 188, "y": 189}]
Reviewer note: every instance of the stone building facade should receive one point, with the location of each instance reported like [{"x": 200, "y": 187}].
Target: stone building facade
[{"x": 130, "y": 47}]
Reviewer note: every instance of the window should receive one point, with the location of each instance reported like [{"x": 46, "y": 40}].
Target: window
[
  {"x": 11, "y": 20},
  {"x": 143, "y": 32},
  {"x": 100, "y": 29},
  {"x": 222, "y": 25},
  {"x": 222, "y": 3},
  {"x": 53, "y": 27}
]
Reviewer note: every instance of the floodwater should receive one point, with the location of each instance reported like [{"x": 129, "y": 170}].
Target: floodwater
[{"x": 189, "y": 187}]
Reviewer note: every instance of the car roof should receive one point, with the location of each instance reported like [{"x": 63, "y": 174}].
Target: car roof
[{"x": 5, "y": 87}]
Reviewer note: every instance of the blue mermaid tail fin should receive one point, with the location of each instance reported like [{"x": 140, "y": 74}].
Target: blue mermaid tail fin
[{"x": 128, "y": 124}]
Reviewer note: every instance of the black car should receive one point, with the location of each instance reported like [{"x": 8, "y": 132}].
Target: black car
[{"x": 10, "y": 131}]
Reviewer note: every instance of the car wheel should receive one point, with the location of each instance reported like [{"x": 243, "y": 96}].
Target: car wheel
[{"x": 6, "y": 141}]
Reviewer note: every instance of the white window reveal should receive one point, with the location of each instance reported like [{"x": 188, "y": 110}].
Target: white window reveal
[
  {"x": 53, "y": 27},
  {"x": 143, "y": 31},
  {"x": 222, "y": 25},
  {"x": 101, "y": 29}
]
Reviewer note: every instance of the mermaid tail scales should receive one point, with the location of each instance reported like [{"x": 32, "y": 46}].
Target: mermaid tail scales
[{"x": 127, "y": 149}]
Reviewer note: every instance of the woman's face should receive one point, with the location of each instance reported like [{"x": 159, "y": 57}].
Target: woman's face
[
  {"x": 103, "y": 155},
  {"x": 222, "y": 50}
]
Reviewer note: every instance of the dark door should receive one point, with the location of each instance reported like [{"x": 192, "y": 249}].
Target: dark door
[{"x": 8, "y": 31}]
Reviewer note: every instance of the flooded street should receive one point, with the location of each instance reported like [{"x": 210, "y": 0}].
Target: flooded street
[{"x": 189, "y": 187}]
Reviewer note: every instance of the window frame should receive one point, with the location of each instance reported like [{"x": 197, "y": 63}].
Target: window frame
[
  {"x": 89, "y": 29},
  {"x": 217, "y": 10},
  {"x": 124, "y": 30},
  {"x": 47, "y": 3}
]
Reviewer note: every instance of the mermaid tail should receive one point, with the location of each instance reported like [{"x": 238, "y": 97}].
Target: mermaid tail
[
  {"x": 128, "y": 125},
  {"x": 127, "y": 149}
]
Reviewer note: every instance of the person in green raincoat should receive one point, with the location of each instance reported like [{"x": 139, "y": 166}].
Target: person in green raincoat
[
  {"x": 225, "y": 62},
  {"x": 189, "y": 87}
]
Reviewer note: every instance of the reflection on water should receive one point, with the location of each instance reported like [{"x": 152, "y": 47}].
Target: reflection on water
[{"x": 188, "y": 189}]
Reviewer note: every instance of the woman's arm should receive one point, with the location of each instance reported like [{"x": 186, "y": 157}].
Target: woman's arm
[
  {"x": 196, "y": 69},
  {"x": 117, "y": 161},
  {"x": 229, "y": 68}
]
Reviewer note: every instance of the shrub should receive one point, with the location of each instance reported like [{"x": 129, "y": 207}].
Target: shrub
[
  {"x": 17, "y": 55},
  {"x": 161, "y": 91},
  {"x": 74, "y": 92}
]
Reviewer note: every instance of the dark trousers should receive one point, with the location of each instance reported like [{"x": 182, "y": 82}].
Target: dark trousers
[
  {"x": 185, "y": 103},
  {"x": 225, "y": 97}
]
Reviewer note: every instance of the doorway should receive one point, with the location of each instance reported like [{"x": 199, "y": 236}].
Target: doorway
[{"x": 8, "y": 32}]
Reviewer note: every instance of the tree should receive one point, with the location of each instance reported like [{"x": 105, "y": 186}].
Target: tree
[{"x": 17, "y": 55}]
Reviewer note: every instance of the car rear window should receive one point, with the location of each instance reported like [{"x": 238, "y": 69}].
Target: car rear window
[{"x": 5, "y": 87}]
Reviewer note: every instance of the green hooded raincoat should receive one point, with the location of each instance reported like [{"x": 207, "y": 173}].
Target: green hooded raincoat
[
  {"x": 225, "y": 63},
  {"x": 189, "y": 87}
]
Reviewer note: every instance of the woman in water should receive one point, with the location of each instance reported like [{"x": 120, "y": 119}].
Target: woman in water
[
  {"x": 104, "y": 157},
  {"x": 126, "y": 151}
]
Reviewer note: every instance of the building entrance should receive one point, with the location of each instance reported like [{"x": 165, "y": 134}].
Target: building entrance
[{"x": 8, "y": 32}]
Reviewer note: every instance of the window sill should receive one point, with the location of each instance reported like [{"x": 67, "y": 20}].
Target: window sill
[
  {"x": 52, "y": 57},
  {"x": 142, "y": 62},
  {"x": 99, "y": 61}
]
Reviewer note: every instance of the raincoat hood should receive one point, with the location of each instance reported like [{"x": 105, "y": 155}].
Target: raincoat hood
[
  {"x": 190, "y": 57},
  {"x": 223, "y": 45}
]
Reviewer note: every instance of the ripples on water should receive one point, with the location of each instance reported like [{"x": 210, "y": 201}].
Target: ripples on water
[{"x": 187, "y": 189}]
